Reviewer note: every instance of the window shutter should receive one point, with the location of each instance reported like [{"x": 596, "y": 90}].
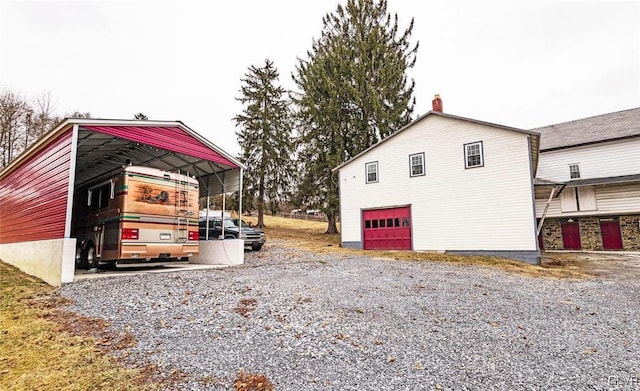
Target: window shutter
[
  {"x": 587, "y": 197},
  {"x": 568, "y": 201}
]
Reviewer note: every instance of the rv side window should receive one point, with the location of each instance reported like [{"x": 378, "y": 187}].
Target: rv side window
[{"x": 99, "y": 196}]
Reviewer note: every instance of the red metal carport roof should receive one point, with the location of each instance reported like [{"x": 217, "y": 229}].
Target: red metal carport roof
[
  {"x": 170, "y": 138},
  {"x": 105, "y": 144}
]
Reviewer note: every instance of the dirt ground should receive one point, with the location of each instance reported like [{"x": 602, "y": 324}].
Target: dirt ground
[{"x": 609, "y": 265}]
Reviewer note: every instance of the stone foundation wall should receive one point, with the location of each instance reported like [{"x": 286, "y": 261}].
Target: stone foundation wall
[
  {"x": 590, "y": 235},
  {"x": 552, "y": 234},
  {"x": 630, "y": 232}
]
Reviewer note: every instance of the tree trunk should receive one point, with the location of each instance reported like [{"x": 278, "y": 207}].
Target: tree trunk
[
  {"x": 332, "y": 227},
  {"x": 261, "y": 203}
]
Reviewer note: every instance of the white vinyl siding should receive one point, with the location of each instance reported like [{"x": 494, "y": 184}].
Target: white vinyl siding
[
  {"x": 609, "y": 159},
  {"x": 609, "y": 200},
  {"x": 453, "y": 208},
  {"x": 416, "y": 164}
]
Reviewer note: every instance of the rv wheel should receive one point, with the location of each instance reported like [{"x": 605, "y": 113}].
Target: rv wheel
[
  {"x": 79, "y": 260},
  {"x": 90, "y": 257}
]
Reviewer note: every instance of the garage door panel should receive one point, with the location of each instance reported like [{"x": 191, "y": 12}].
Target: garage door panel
[{"x": 387, "y": 229}]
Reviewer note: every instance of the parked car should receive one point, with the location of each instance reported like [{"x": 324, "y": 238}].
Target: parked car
[{"x": 253, "y": 238}]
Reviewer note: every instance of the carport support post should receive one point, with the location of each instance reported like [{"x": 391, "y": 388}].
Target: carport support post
[
  {"x": 68, "y": 261},
  {"x": 222, "y": 213},
  {"x": 72, "y": 181},
  {"x": 206, "y": 235},
  {"x": 240, "y": 204}
]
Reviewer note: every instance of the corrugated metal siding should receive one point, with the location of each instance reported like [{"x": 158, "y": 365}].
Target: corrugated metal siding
[
  {"x": 453, "y": 208},
  {"x": 170, "y": 138},
  {"x": 34, "y": 195}
]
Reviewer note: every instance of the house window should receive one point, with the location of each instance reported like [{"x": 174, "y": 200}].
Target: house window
[
  {"x": 372, "y": 172},
  {"x": 574, "y": 171},
  {"x": 473, "y": 155},
  {"x": 416, "y": 163}
]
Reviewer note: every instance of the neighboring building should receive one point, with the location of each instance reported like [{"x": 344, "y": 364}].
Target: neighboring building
[
  {"x": 593, "y": 167},
  {"x": 444, "y": 183},
  {"x": 38, "y": 189}
]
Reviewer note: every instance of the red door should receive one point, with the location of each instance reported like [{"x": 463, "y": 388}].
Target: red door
[
  {"x": 387, "y": 229},
  {"x": 611, "y": 235},
  {"x": 571, "y": 236}
]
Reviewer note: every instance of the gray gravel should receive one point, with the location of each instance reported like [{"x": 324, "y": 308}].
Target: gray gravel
[{"x": 320, "y": 322}]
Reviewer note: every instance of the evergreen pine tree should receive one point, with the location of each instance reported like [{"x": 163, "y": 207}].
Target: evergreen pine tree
[
  {"x": 265, "y": 137},
  {"x": 353, "y": 93}
]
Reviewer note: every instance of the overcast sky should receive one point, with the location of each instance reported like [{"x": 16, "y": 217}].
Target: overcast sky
[{"x": 515, "y": 63}]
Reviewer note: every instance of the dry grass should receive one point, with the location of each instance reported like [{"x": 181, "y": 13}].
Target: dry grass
[
  {"x": 42, "y": 347},
  {"x": 310, "y": 236},
  {"x": 252, "y": 382}
]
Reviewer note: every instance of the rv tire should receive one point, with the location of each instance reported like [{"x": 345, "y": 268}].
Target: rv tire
[
  {"x": 89, "y": 257},
  {"x": 80, "y": 259}
]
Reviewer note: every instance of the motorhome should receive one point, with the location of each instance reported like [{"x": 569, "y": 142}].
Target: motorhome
[{"x": 136, "y": 216}]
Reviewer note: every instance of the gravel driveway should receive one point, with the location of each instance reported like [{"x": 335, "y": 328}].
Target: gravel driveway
[{"x": 319, "y": 322}]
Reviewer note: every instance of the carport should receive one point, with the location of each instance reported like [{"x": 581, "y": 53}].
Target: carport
[{"x": 37, "y": 189}]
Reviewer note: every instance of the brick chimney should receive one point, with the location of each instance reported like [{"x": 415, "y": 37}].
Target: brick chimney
[{"x": 437, "y": 103}]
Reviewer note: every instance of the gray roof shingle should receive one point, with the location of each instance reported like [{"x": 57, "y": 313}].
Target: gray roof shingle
[{"x": 621, "y": 124}]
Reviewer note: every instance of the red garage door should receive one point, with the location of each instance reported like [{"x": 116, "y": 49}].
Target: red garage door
[
  {"x": 571, "y": 236},
  {"x": 611, "y": 235},
  {"x": 387, "y": 229}
]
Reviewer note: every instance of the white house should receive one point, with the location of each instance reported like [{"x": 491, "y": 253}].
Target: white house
[
  {"x": 593, "y": 167},
  {"x": 444, "y": 183}
]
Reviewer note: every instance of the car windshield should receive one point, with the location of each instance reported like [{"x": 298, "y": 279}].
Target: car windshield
[
  {"x": 228, "y": 223},
  {"x": 244, "y": 224}
]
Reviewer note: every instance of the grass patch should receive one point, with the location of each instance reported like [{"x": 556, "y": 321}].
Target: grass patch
[
  {"x": 42, "y": 347},
  {"x": 311, "y": 236}
]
